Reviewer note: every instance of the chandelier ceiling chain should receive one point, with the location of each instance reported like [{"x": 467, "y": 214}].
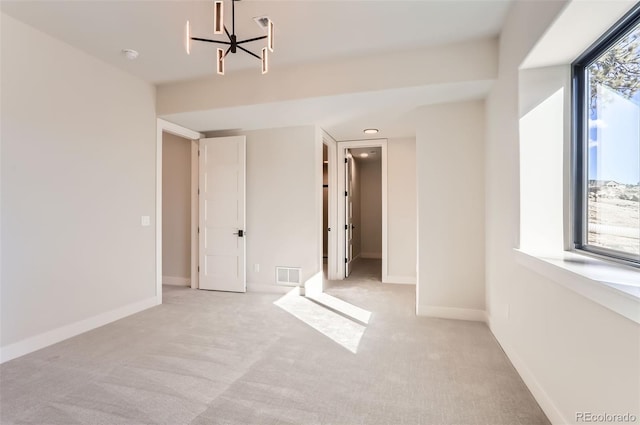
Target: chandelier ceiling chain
[{"x": 233, "y": 44}]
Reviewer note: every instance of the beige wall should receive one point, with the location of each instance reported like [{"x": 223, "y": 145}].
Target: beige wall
[
  {"x": 450, "y": 171},
  {"x": 401, "y": 209},
  {"x": 176, "y": 209},
  {"x": 78, "y": 172},
  {"x": 371, "y": 208},
  {"x": 284, "y": 201}
]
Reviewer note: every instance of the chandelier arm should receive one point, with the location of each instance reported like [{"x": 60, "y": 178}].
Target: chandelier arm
[
  {"x": 251, "y": 53},
  {"x": 233, "y": 17},
  {"x": 227, "y": 52},
  {"x": 227, "y": 32},
  {"x": 210, "y": 41},
  {"x": 252, "y": 39}
]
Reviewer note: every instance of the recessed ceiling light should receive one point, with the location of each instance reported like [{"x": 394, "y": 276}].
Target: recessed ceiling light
[
  {"x": 130, "y": 54},
  {"x": 364, "y": 155},
  {"x": 370, "y": 130}
]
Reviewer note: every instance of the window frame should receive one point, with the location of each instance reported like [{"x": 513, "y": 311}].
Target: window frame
[{"x": 580, "y": 134}]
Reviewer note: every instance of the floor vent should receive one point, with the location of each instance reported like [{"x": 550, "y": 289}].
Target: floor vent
[{"x": 288, "y": 276}]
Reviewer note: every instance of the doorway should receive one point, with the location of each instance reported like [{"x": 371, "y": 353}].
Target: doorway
[
  {"x": 325, "y": 210},
  {"x": 176, "y": 210},
  {"x": 329, "y": 237},
  {"x": 362, "y": 217},
  {"x": 166, "y": 128},
  {"x": 363, "y": 213}
]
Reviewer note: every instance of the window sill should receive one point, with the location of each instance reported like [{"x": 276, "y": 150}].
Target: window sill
[{"x": 613, "y": 286}]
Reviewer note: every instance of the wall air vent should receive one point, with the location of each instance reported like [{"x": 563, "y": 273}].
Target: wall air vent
[
  {"x": 290, "y": 276},
  {"x": 262, "y": 21}
]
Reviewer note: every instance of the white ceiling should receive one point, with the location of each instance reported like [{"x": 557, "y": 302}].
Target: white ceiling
[
  {"x": 373, "y": 154},
  {"x": 306, "y": 31}
]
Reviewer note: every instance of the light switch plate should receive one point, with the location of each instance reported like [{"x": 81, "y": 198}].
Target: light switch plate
[{"x": 145, "y": 220}]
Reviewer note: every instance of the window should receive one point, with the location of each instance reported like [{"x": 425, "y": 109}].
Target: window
[{"x": 606, "y": 110}]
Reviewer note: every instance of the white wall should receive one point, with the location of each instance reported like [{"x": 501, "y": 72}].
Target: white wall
[
  {"x": 371, "y": 208},
  {"x": 284, "y": 201},
  {"x": 573, "y": 354},
  {"x": 450, "y": 174},
  {"x": 401, "y": 210},
  {"x": 176, "y": 209},
  {"x": 78, "y": 149},
  {"x": 544, "y": 97}
]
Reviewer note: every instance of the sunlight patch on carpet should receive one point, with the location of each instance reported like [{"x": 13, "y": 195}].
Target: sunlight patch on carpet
[
  {"x": 338, "y": 328},
  {"x": 343, "y": 307}
]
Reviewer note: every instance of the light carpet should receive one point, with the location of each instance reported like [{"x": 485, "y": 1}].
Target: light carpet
[{"x": 221, "y": 358}]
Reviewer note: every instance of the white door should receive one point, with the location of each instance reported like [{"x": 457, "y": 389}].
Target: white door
[
  {"x": 348, "y": 228},
  {"x": 222, "y": 214}
]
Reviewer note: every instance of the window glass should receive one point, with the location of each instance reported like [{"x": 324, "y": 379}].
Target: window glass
[{"x": 611, "y": 148}]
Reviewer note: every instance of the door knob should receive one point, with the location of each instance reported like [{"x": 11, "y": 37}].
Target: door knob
[{"x": 240, "y": 233}]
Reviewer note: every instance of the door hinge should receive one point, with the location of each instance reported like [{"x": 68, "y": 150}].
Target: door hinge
[
  {"x": 198, "y": 152},
  {"x": 346, "y": 160},
  {"x": 345, "y": 193},
  {"x": 346, "y": 261},
  {"x": 346, "y": 227},
  {"x": 198, "y": 229},
  {"x": 198, "y": 191},
  {"x": 198, "y": 269}
]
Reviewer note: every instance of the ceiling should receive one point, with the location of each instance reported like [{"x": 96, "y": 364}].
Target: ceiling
[
  {"x": 306, "y": 31},
  {"x": 372, "y": 154}
]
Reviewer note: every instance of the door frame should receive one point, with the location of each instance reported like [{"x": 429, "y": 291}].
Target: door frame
[
  {"x": 341, "y": 155},
  {"x": 333, "y": 272},
  {"x": 163, "y": 126}
]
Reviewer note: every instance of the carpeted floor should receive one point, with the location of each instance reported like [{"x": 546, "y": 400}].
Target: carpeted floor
[{"x": 221, "y": 358}]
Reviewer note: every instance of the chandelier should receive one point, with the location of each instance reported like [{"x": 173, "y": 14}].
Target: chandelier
[{"x": 232, "y": 43}]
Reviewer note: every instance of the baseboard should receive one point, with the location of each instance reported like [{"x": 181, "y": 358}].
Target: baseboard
[
  {"x": 176, "y": 281},
  {"x": 54, "y": 336},
  {"x": 546, "y": 403},
  {"x": 373, "y": 255},
  {"x": 452, "y": 313},
  {"x": 402, "y": 280},
  {"x": 269, "y": 288}
]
